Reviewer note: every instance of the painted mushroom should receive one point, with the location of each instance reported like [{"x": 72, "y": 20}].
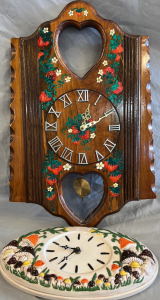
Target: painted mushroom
[
  {"x": 135, "y": 266},
  {"x": 25, "y": 266},
  {"x": 41, "y": 276},
  {"x": 59, "y": 280},
  {"x": 18, "y": 266},
  {"x": 91, "y": 283},
  {"x": 12, "y": 261},
  {"x": 148, "y": 262},
  {"x": 26, "y": 253},
  {"x": 124, "y": 275},
  {"x": 128, "y": 245},
  {"x": 39, "y": 265},
  {"x": 115, "y": 268},
  {"x": 128, "y": 269},
  {"x": 84, "y": 282},
  {"x": 67, "y": 282},
  {"x": 99, "y": 282},
  {"x": 101, "y": 276},
  {"x": 111, "y": 280},
  {"x": 129, "y": 256},
  {"x": 77, "y": 284},
  {"x": 53, "y": 278},
  {"x": 12, "y": 245},
  {"x": 30, "y": 240},
  {"x": 8, "y": 254}
]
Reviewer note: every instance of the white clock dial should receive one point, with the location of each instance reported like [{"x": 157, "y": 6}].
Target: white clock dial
[{"x": 78, "y": 252}]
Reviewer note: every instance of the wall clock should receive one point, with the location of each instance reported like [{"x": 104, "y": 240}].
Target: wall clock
[
  {"x": 81, "y": 147},
  {"x": 78, "y": 262}
]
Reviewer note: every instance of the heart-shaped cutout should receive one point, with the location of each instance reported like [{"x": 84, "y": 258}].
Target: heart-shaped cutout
[
  {"x": 82, "y": 209},
  {"x": 79, "y": 48}
]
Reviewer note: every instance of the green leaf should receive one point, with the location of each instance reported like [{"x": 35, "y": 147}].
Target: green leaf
[
  {"x": 94, "y": 277},
  {"x": 109, "y": 272}
]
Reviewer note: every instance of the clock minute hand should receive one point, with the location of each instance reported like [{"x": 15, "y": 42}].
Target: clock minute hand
[
  {"x": 66, "y": 257},
  {"x": 64, "y": 247},
  {"x": 85, "y": 126}
]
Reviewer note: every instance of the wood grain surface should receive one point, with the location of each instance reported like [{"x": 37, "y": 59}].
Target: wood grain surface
[{"x": 29, "y": 140}]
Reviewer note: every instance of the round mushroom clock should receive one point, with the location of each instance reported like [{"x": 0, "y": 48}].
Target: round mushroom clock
[
  {"x": 76, "y": 263},
  {"x": 83, "y": 145}
]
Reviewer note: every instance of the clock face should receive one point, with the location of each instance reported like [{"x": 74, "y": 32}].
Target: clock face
[
  {"x": 82, "y": 127},
  {"x": 78, "y": 252}
]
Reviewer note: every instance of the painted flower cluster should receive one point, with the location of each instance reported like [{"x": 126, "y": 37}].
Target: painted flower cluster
[
  {"x": 115, "y": 166},
  {"x": 51, "y": 168},
  {"x": 72, "y": 130},
  {"x": 78, "y": 11},
  {"x": 48, "y": 69},
  {"x": 108, "y": 75}
]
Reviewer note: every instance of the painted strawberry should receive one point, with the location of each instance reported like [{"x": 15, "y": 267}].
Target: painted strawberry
[
  {"x": 55, "y": 170},
  {"x": 41, "y": 43},
  {"x": 108, "y": 70},
  {"x": 109, "y": 167},
  {"x": 86, "y": 136},
  {"x": 119, "y": 89},
  {"x": 115, "y": 178},
  {"x": 51, "y": 198},
  {"x": 117, "y": 57},
  {"x": 40, "y": 54},
  {"x": 76, "y": 142},
  {"x": 51, "y": 182},
  {"x": 74, "y": 130},
  {"x": 119, "y": 49},
  {"x": 78, "y": 13},
  {"x": 113, "y": 194},
  {"x": 52, "y": 75},
  {"x": 44, "y": 97}
]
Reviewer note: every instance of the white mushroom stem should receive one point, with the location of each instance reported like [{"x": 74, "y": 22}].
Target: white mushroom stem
[
  {"x": 85, "y": 284},
  {"x": 59, "y": 282},
  {"x": 124, "y": 278},
  {"x": 133, "y": 249},
  {"x": 28, "y": 274},
  {"x": 52, "y": 281},
  {"x": 68, "y": 285},
  {"x": 25, "y": 269},
  {"x": 111, "y": 280}
]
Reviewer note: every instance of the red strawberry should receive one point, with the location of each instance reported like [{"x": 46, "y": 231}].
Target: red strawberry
[
  {"x": 110, "y": 168},
  {"x": 51, "y": 182},
  {"x": 74, "y": 130},
  {"x": 76, "y": 142},
  {"x": 40, "y": 54},
  {"x": 41, "y": 43},
  {"x": 115, "y": 178},
  {"x": 55, "y": 170},
  {"x": 119, "y": 89},
  {"x": 78, "y": 13},
  {"x": 117, "y": 57},
  {"x": 51, "y": 198},
  {"x": 119, "y": 49},
  {"x": 52, "y": 75},
  {"x": 113, "y": 194},
  {"x": 44, "y": 97},
  {"x": 109, "y": 70}
]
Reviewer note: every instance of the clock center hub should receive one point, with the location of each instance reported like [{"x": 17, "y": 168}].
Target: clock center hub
[{"x": 77, "y": 250}]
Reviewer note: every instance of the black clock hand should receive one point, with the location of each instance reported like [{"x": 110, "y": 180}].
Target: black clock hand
[
  {"x": 64, "y": 247},
  {"x": 66, "y": 257}
]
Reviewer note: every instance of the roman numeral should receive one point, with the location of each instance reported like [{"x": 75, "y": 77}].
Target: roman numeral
[
  {"x": 95, "y": 103},
  {"x": 83, "y": 96},
  {"x": 109, "y": 112},
  {"x": 66, "y": 101},
  {"x": 82, "y": 159},
  {"x": 99, "y": 156},
  {"x": 50, "y": 127},
  {"x": 109, "y": 145},
  {"x": 55, "y": 144},
  {"x": 114, "y": 127},
  {"x": 67, "y": 154},
  {"x": 56, "y": 113}
]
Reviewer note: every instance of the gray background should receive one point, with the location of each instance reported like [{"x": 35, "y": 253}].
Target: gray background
[{"x": 21, "y": 18}]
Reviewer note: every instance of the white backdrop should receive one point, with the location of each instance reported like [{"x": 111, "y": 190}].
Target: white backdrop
[{"x": 21, "y": 18}]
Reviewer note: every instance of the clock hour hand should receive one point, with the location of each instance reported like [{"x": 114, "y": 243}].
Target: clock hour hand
[
  {"x": 64, "y": 247},
  {"x": 83, "y": 127},
  {"x": 66, "y": 257}
]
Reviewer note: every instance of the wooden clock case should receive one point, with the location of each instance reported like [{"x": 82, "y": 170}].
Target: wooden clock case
[{"x": 28, "y": 139}]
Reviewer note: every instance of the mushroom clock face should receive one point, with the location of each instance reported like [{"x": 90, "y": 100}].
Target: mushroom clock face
[
  {"x": 78, "y": 252},
  {"x": 83, "y": 127}
]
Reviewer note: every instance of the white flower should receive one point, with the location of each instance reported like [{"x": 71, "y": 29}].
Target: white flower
[
  {"x": 54, "y": 60},
  {"x": 100, "y": 166},
  {"x": 50, "y": 189},
  {"x": 58, "y": 72},
  {"x": 100, "y": 72},
  {"x": 45, "y": 30},
  {"x": 70, "y": 13},
  {"x": 92, "y": 135},
  {"x": 105, "y": 63},
  {"x": 67, "y": 79},
  {"x": 115, "y": 185},
  {"x": 86, "y": 12},
  {"x": 112, "y": 32},
  {"x": 69, "y": 130},
  {"x": 67, "y": 167},
  {"x": 99, "y": 79}
]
